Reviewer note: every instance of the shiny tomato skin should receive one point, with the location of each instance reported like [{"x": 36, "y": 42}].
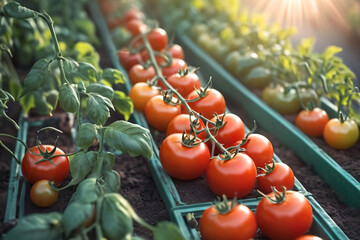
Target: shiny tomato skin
[
  {"x": 312, "y": 122},
  {"x": 234, "y": 177},
  {"x": 140, "y": 94},
  {"x": 239, "y": 223},
  {"x": 128, "y": 60},
  {"x": 308, "y": 237},
  {"x": 181, "y": 122},
  {"x": 213, "y": 102},
  {"x": 159, "y": 113},
  {"x": 175, "y": 66},
  {"x": 183, "y": 162},
  {"x": 56, "y": 171},
  {"x": 42, "y": 195},
  {"x": 260, "y": 149},
  {"x": 287, "y": 220},
  {"x": 138, "y": 73},
  {"x": 184, "y": 84},
  {"x": 158, "y": 39},
  {"x": 339, "y": 135},
  {"x": 282, "y": 175},
  {"x": 176, "y": 51}
]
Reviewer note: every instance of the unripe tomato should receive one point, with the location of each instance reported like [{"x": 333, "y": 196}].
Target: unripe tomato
[
  {"x": 42, "y": 195},
  {"x": 341, "y": 135},
  {"x": 141, "y": 93}
]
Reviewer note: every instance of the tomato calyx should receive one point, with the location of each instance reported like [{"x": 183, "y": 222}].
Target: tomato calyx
[
  {"x": 186, "y": 71},
  {"x": 169, "y": 98},
  {"x": 279, "y": 196},
  {"x": 269, "y": 168},
  {"x": 224, "y": 206},
  {"x": 189, "y": 140}
]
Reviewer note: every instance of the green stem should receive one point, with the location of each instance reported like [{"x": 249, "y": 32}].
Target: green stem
[
  {"x": 11, "y": 120},
  {"x": 101, "y": 149},
  {"x": 12, "y": 154},
  {"x": 98, "y": 230},
  {"x": 10, "y": 136}
]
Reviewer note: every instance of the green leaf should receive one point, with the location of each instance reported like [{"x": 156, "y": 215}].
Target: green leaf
[
  {"x": 306, "y": 46},
  {"x": 116, "y": 222},
  {"x": 103, "y": 90},
  {"x": 113, "y": 75},
  {"x": 87, "y": 72},
  {"x": 330, "y": 52},
  {"x": 123, "y": 104},
  {"x": 15, "y": 10},
  {"x": 111, "y": 181},
  {"x": 167, "y": 230},
  {"x": 36, "y": 77},
  {"x": 76, "y": 215},
  {"x": 41, "y": 104},
  {"x": 108, "y": 160},
  {"x": 69, "y": 98},
  {"x": 87, "y": 191},
  {"x": 98, "y": 108},
  {"x": 38, "y": 226},
  {"x": 27, "y": 102},
  {"x": 81, "y": 165},
  {"x": 86, "y": 135},
  {"x": 129, "y": 138},
  {"x": 87, "y": 53}
]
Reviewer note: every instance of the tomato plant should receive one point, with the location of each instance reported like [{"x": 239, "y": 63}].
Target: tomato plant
[
  {"x": 235, "y": 177},
  {"x": 42, "y": 195},
  {"x": 341, "y": 134},
  {"x": 138, "y": 73},
  {"x": 159, "y": 113},
  {"x": 259, "y": 148},
  {"x": 312, "y": 122},
  {"x": 141, "y": 93},
  {"x": 183, "y": 122},
  {"x": 285, "y": 215},
  {"x": 44, "y": 165},
  {"x": 277, "y": 175},
  {"x": 183, "y": 161},
  {"x": 228, "y": 221}
]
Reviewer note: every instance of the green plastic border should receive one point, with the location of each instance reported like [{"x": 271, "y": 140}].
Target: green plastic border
[{"x": 345, "y": 185}]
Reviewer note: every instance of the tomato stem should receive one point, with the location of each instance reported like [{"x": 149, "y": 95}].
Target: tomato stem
[
  {"x": 279, "y": 197},
  {"x": 12, "y": 154}
]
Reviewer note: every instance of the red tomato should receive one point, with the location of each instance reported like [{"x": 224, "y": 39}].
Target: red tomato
[
  {"x": 159, "y": 113},
  {"x": 138, "y": 73},
  {"x": 213, "y": 102},
  {"x": 341, "y": 135},
  {"x": 181, "y": 122},
  {"x": 141, "y": 93},
  {"x": 145, "y": 56},
  {"x": 133, "y": 13},
  {"x": 158, "y": 39},
  {"x": 260, "y": 149},
  {"x": 312, "y": 122},
  {"x": 308, "y": 237},
  {"x": 239, "y": 223},
  {"x": 280, "y": 176},
  {"x": 286, "y": 220},
  {"x": 128, "y": 60},
  {"x": 175, "y": 66},
  {"x": 234, "y": 177},
  {"x": 232, "y": 131},
  {"x": 42, "y": 195},
  {"x": 135, "y": 26},
  {"x": 184, "y": 84},
  {"x": 56, "y": 170},
  {"x": 183, "y": 162},
  {"x": 176, "y": 51}
]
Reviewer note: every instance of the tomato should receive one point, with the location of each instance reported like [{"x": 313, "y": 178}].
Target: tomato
[
  {"x": 176, "y": 51},
  {"x": 128, "y": 60},
  {"x": 184, "y": 83},
  {"x": 258, "y": 77},
  {"x": 259, "y": 148},
  {"x": 182, "y": 162},
  {"x": 308, "y": 237},
  {"x": 158, "y": 39},
  {"x": 238, "y": 223},
  {"x": 182, "y": 122},
  {"x": 280, "y": 176},
  {"x": 159, "y": 113},
  {"x": 56, "y": 170},
  {"x": 212, "y": 102},
  {"x": 232, "y": 131},
  {"x": 308, "y": 96},
  {"x": 141, "y": 93},
  {"x": 42, "y": 195},
  {"x": 234, "y": 177},
  {"x": 175, "y": 66},
  {"x": 286, "y": 220},
  {"x": 135, "y": 26},
  {"x": 312, "y": 122},
  {"x": 281, "y": 101},
  {"x": 341, "y": 135},
  {"x": 145, "y": 57},
  {"x": 138, "y": 73}
]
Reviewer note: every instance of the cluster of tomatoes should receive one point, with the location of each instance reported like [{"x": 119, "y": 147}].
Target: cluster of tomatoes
[{"x": 202, "y": 138}]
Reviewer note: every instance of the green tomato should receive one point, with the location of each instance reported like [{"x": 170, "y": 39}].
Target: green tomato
[
  {"x": 284, "y": 102},
  {"x": 258, "y": 77},
  {"x": 309, "y": 96}
]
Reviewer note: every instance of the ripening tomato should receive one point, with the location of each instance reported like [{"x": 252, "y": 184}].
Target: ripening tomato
[
  {"x": 312, "y": 122},
  {"x": 288, "y": 219},
  {"x": 176, "y": 51},
  {"x": 280, "y": 176},
  {"x": 182, "y": 122},
  {"x": 158, "y": 39},
  {"x": 135, "y": 26},
  {"x": 212, "y": 102},
  {"x": 175, "y": 66},
  {"x": 182, "y": 162},
  {"x": 159, "y": 113},
  {"x": 341, "y": 135},
  {"x": 184, "y": 83},
  {"x": 128, "y": 60},
  {"x": 140, "y": 94},
  {"x": 57, "y": 169},
  {"x": 232, "y": 131},
  {"x": 308, "y": 237},
  {"x": 235, "y": 177},
  {"x": 42, "y": 195},
  {"x": 239, "y": 223},
  {"x": 259, "y": 148},
  {"x": 138, "y": 73}
]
